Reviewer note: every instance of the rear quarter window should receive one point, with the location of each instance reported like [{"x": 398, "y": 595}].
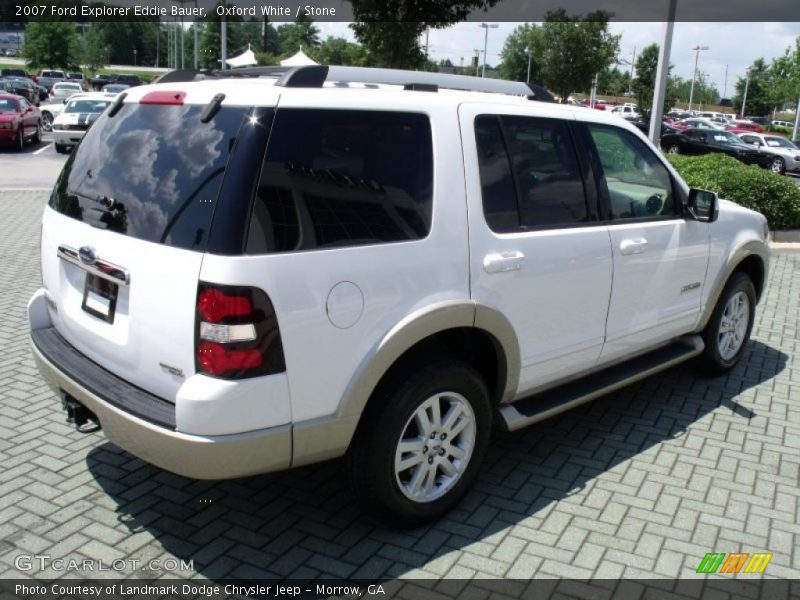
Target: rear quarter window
[{"x": 333, "y": 178}]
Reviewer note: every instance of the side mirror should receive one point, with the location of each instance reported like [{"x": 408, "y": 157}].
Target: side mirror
[{"x": 701, "y": 206}]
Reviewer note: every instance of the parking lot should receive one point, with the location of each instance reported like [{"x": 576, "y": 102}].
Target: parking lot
[{"x": 640, "y": 484}]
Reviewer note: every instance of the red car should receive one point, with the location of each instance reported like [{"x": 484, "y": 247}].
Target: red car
[
  {"x": 738, "y": 127},
  {"x": 19, "y": 121}
]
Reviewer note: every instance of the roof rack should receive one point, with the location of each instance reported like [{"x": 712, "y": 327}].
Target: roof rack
[{"x": 317, "y": 75}]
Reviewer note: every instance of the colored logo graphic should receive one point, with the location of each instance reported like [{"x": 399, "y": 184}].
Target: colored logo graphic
[{"x": 737, "y": 562}]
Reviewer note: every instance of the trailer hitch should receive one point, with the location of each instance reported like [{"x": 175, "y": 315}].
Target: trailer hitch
[{"x": 78, "y": 414}]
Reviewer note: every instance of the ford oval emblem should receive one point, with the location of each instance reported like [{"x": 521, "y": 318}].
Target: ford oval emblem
[{"x": 87, "y": 255}]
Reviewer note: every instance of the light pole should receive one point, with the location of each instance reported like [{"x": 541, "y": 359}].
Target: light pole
[
  {"x": 746, "y": 85},
  {"x": 697, "y": 50},
  {"x": 223, "y": 39},
  {"x": 194, "y": 30},
  {"x": 486, "y": 28},
  {"x": 662, "y": 75},
  {"x": 530, "y": 52}
]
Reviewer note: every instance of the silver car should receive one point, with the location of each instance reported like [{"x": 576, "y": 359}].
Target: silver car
[{"x": 786, "y": 156}]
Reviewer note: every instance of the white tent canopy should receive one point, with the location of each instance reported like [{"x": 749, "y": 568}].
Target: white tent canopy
[
  {"x": 245, "y": 59},
  {"x": 298, "y": 60}
]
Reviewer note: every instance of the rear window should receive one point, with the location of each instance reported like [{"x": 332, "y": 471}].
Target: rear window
[
  {"x": 333, "y": 178},
  {"x": 151, "y": 172}
]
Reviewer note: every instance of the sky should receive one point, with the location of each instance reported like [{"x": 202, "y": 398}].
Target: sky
[{"x": 736, "y": 45}]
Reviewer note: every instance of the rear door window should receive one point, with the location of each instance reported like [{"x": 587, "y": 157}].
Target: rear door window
[
  {"x": 333, "y": 178},
  {"x": 530, "y": 174},
  {"x": 151, "y": 172}
]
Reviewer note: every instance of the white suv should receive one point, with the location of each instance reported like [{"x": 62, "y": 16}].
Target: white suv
[{"x": 249, "y": 274}]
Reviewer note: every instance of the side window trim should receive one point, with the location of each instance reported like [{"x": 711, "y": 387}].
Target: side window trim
[{"x": 602, "y": 184}]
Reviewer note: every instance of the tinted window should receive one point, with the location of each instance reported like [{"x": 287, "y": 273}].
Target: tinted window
[
  {"x": 341, "y": 178},
  {"x": 151, "y": 172},
  {"x": 541, "y": 185},
  {"x": 639, "y": 185},
  {"x": 497, "y": 184}
]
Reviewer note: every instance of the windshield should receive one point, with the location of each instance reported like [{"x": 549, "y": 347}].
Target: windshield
[
  {"x": 151, "y": 172},
  {"x": 8, "y": 105},
  {"x": 87, "y": 106},
  {"x": 724, "y": 136},
  {"x": 779, "y": 142}
]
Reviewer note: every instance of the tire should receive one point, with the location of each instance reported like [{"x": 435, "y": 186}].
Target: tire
[
  {"x": 726, "y": 334},
  {"x": 47, "y": 121},
  {"x": 778, "y": 166},
  {"x": 381, "y": 484},
  {"x": 37, "y": 137},
  {"x": 20, "y": 143},
  {"x": 61, "y": 149},
  {"x": 673, "y": 149}
]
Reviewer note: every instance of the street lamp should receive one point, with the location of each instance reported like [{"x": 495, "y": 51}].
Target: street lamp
[
  {"x": 697, "y": 50},
  {"x": 486, "y": 28}
]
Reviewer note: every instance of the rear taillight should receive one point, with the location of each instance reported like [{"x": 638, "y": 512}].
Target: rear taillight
[{"x": 236, "y": 333}]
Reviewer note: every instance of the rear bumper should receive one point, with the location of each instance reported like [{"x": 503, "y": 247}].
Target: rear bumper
[{"x": 199, "y": 457}]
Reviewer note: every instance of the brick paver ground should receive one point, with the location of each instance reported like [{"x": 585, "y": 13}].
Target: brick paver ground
[{"x": 639, "y": 484}]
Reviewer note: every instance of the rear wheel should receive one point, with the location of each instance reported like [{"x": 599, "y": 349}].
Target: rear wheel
[
  {"x": 47, "y": 121},
  {"x": 20, "y": 142},
  {"x": 37, "y": 137},
  {"x": 729, "y": 327},
  {"x": 417, "y": 455},
  {"x": 673, "y": 149}
]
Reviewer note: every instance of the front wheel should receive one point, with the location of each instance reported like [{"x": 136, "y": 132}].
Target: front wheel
[
  {"x": 20, "y": 143},
  {"x": 673, "y": 149},
  {"x": 417, "y": 455},
  {"x": 777, "y": 166},
  {"x": 47, "y": 121},
  {"x": 37, "y": 137},
  {"x": 729, "y": 327}
]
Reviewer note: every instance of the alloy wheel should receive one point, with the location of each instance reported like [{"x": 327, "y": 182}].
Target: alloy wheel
[
  {"x": 435, "y": 448},
  {"x": 733, "y": 325}
]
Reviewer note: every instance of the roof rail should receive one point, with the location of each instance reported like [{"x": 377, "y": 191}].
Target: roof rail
[{"x": 318, "y": 75}]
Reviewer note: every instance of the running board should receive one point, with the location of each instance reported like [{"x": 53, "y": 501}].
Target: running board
[{"x": 546, "y": 404}]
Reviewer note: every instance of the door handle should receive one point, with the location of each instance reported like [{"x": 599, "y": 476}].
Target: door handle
[
  {"x": 633, "y": 246},
  {"x": 501, "y": 262}
]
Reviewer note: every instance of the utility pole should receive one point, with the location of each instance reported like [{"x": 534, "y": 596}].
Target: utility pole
[
  {"x": 746, "y": 85},
  {"x": 530, "y": 52},
  {"x": 796, "y": 121},
  {"x": 725, "y": 86},
  {"x": 633, "y": 64},
  {"x": 697, "y": 50},
  {"x": 486, "y": 28},
  {"x": 662, "y": 74},
  {"x": 194, "y": 29},
  {"x": 223, "y": 38}
]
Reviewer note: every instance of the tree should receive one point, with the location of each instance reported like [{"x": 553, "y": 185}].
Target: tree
[
  {"x": 52, "y": 44},
  {"x": 645, "y": 83},
  {"x": 522, "y": 45},
  {"x": 760, "y": 92},
  {"x": 94, "y": 49},
  {"x": 390, "y": 31},
  {"x": 240, "y": 35},
  {"x": 338, "y": 51},
  {"x": 785, "y": 74},
  {"x": 614, "y": 82},
  {"x": 574, "y": 49},
  {"x": 300, "y": 34},
  {"x": 121, "y": 39}
]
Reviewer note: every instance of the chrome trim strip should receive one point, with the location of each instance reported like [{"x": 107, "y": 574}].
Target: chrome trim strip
[{"x": 114, "y": 273}]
